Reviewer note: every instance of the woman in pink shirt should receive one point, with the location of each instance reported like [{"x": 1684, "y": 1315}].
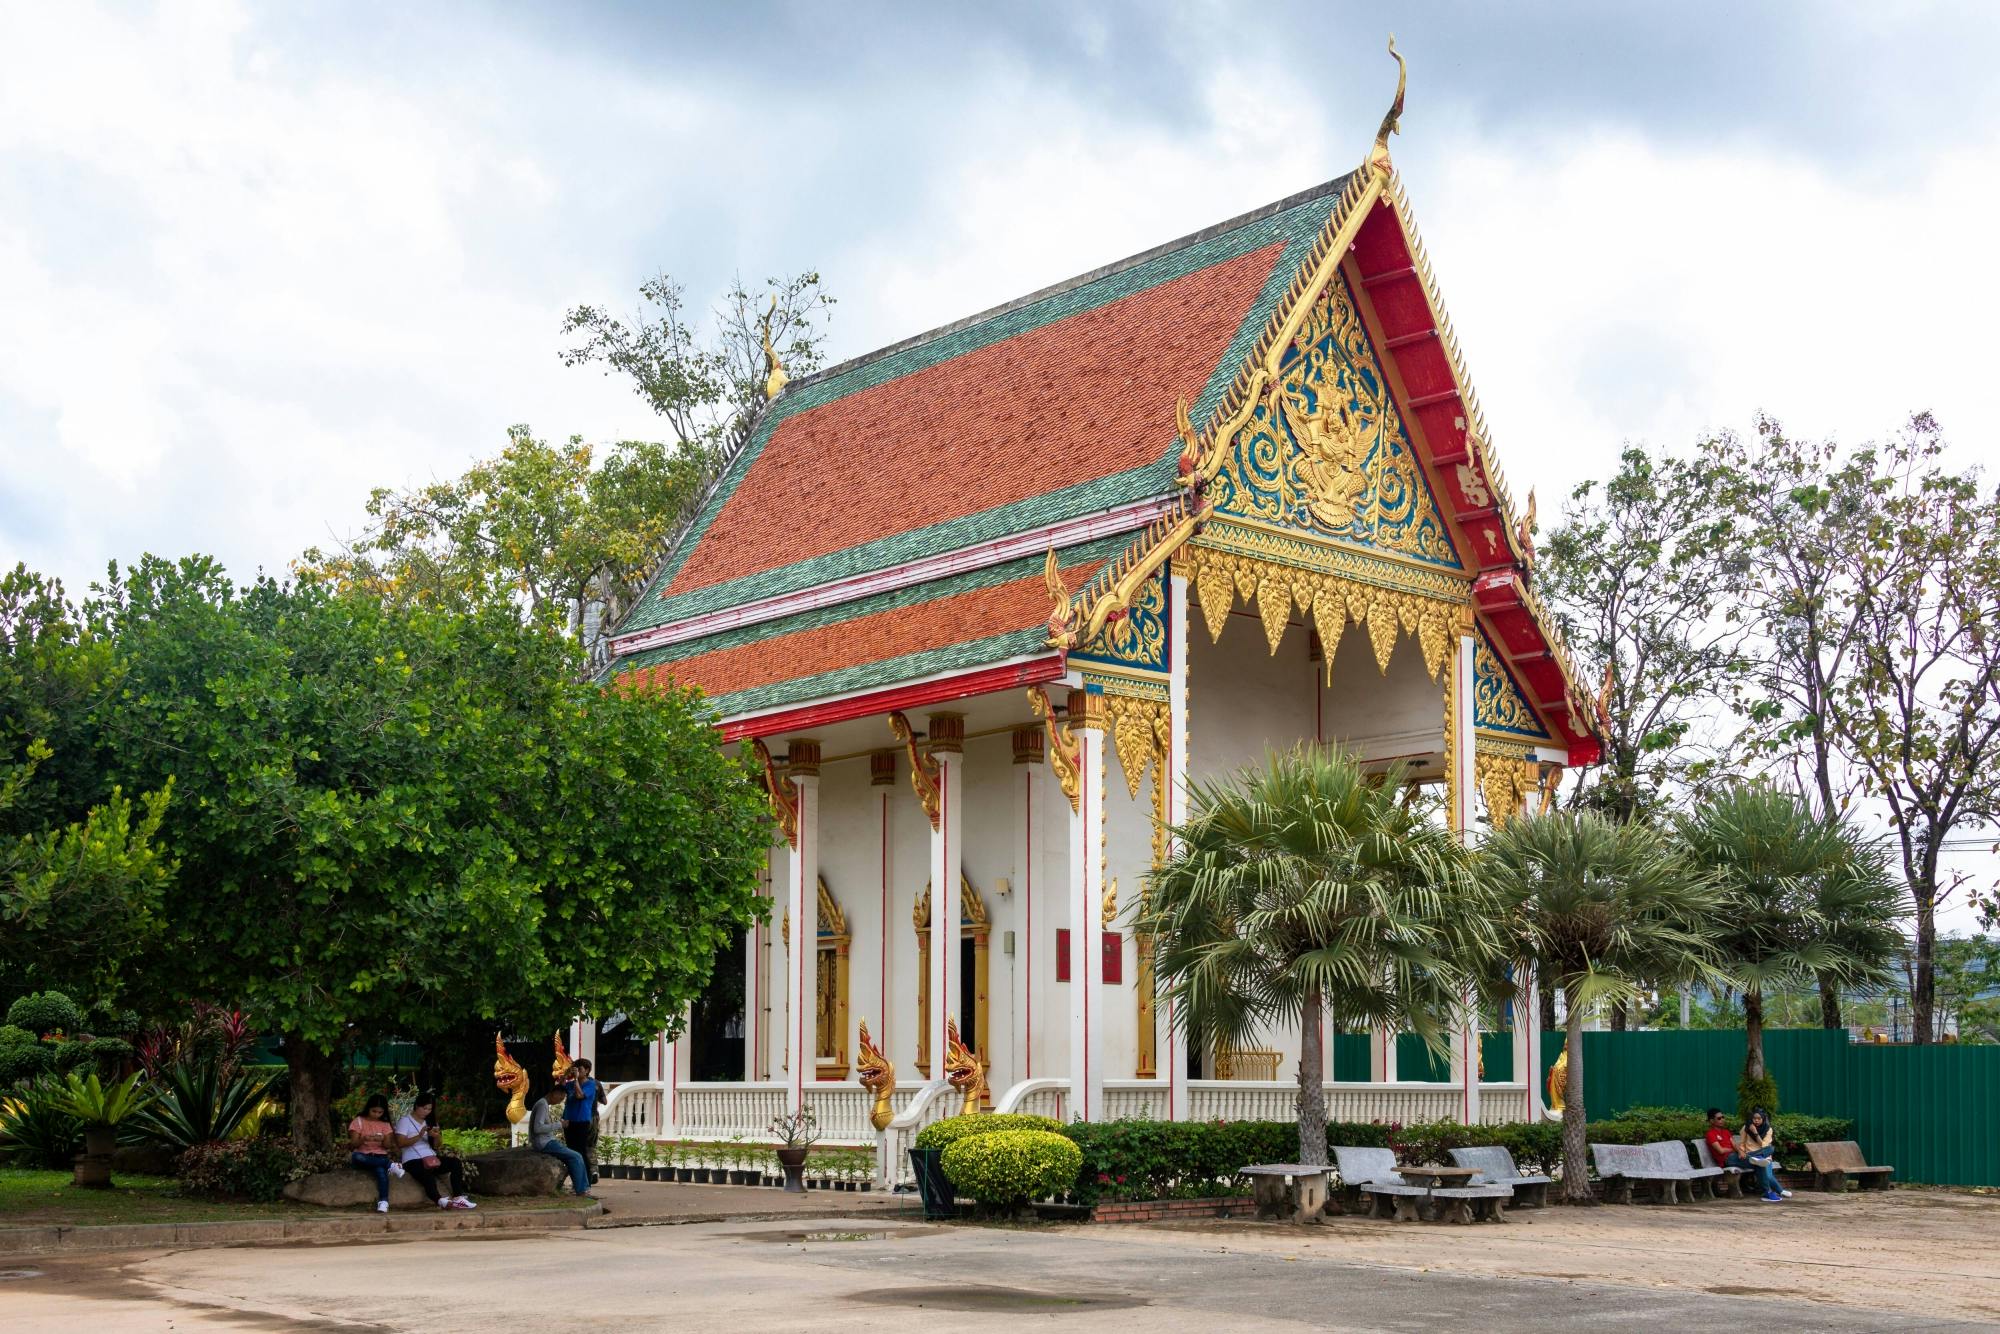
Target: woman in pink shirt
[{"x": 368, "y": 1140}]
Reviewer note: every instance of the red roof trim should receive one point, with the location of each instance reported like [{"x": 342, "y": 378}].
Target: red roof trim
[{"x": 982, "y": 681}]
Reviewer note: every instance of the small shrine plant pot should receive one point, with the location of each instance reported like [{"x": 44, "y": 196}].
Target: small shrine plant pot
[{"x": 794, "y": 1163}]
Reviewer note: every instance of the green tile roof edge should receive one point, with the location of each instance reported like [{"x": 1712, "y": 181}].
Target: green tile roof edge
[
  {"x": 909, "y": 667},
  {"x": 1295, "y": 220},
  {"x": 1100, "y": 549}
]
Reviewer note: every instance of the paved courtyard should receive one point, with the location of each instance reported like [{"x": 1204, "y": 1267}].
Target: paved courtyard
[{"x": 1911, "y": 1260}]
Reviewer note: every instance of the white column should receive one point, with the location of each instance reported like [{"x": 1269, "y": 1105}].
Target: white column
[
  {"x": 1465, "y": 1060},
  {"x": 1528, "y": 1037},
  {"x": 1028, "y": 779},
  {"x": 1460, "y": 722},
  {"x": 582, "y": 1042},
  {"x": 751, "y": 997},
  {"x": 1086, "y": 900},
  {"x": 945, "y": 738},
  {"x": 802, "y": 900},
  {"x": 1382, "y": 1056},
  {"x": 1172, "y": 1041}
]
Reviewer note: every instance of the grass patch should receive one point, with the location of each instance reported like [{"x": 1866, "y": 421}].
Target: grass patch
[{"x": 41, "y": 1199}]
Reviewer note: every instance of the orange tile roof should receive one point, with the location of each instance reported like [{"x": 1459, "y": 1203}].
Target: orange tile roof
[
  {"x": 957, "y": 618},
  {"x": 1086, "y": 396}
]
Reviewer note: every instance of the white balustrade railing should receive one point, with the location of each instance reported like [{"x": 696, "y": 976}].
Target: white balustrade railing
[
  {"x": 933, "y": 1102},
  {"x": 1036, "y": 1097},
  {"x": 1500, "y": 1103},
  {"x": 1137, "y": 1099},
  {"x": 635, "y": 1109},
  {"x": 724, "y": 1111}
]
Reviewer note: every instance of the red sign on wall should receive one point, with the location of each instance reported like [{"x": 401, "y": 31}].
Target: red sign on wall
[
  {"x": 1114, "y": 958},
  {"x": 1062, "y": 954}
]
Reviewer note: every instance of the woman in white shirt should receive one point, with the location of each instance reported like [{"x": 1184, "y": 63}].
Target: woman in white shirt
[{"x": 417, "y": 1139}]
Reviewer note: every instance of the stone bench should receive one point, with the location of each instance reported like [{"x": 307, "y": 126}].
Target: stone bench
[
  {"x": 1296, "y": 1191},
  {"x": 1730, "y": 1183},
  {"x": 501, "y": 1173},
  {"x": 1837, "y": 1161},
  {"x": 1662, "y": 1166},
  {"x": 1496, "y": 1168},
  {"x": 1370, "y": 1176}
]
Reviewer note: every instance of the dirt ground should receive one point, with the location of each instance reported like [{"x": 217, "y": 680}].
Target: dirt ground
[{"x": 1918, "y": 1252}]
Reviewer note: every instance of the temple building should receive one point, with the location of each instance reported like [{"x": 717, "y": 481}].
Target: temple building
[{"x": 983, "y": 603}]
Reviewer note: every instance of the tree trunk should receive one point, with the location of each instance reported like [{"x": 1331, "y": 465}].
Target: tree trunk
[
  {"x": 1621, "y": 1018},
  {"x": 1753, "y": 1034},
  {"x": 1829, "y": 1004},
  {"x": 311, "y": 1073},
  {"x": 1923, "y": 984},
  {"x": 1576, "y": 1153},
  {"x": 1548, "y": 1006},
  {"x": 1312, "y": 1083}
]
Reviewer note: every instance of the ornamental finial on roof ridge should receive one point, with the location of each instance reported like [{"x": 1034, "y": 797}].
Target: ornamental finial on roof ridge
[{"x": 1392, "y": 120}]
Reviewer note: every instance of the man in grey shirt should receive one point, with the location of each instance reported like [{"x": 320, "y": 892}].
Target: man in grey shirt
[{"x": 545, "y": 1132}]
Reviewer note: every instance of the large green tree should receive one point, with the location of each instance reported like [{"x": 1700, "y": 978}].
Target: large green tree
[
  {"x": 395, "y": 817},
  {"x": 1309, "y": 889},
  {"x": 81, "y": 870},
  {"x": 1804, "y": 897},
  {"x": 1637, "y": 576},
  {"x": 1598, "y": 907}
]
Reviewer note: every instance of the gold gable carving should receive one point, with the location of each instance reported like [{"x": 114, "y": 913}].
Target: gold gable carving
[{"x": 971, "y": 908}]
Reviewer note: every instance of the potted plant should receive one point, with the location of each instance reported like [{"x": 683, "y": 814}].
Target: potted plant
[
  {"x": 649, "y": 1158},
  {"x": 796, "y": 1133},
  {"x": 101, "y": 1111}
]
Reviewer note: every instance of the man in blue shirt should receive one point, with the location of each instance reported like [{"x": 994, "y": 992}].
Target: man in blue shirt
[{"x": 580, "y": 1113}]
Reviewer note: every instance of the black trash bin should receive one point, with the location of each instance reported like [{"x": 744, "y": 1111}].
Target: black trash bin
[{"x": 940, "y": 1199}]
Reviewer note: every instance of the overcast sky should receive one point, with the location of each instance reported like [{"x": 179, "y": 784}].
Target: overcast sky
[{"x": 255, "y": 260}]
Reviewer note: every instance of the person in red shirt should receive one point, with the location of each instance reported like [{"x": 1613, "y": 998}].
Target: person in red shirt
[
  {"x": 1723, "y": 1147},
  {"x": 1721, "y": 1144}
]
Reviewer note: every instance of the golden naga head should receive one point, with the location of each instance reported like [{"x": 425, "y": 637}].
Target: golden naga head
[
  {"x": 507, "y": 1072},
  {"x": 962, "y": 1069},
  {"x": 873, "y": 1068},
  {"x": 560, "y": 1068}
]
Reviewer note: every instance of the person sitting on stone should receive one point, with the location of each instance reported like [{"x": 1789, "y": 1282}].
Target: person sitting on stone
[
  {"x": 369, "y": 1137},
  {"x": 420, "y": 1144},
  {"x": 545, "y": 1132}
]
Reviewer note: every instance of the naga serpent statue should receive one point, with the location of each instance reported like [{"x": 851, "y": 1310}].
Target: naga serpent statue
[
  {"x": 512, "y": 1080},
  {"x": 560, "y": 1069},
  {"x": 878, "y": 1076},
  {"x": 962, "y": 1071}
]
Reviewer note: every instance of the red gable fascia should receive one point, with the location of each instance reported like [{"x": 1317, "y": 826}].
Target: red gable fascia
[{"x": 1412, "y": 341}]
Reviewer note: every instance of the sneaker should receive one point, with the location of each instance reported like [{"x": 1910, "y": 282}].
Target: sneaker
[
  {"x": 1773, "y": 1198},
  {"x": 396, "y": 1169},
  {"x": 381, "y": 1206},
  {"x": 444, "y": 1202},
  {"x": 460, "y": 1202},
  {"x": 1787, "y": 1194}
]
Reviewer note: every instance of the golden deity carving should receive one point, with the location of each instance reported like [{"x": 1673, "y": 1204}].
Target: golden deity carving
[
  {"x": 512, "y": 1080},
  {"x": 878, "y": 1076},
  {"x": 923, "y": 768},
  {"x": 1107, "y": 911},
  {"x": 962, "y": 1070},
  {"x": 1062, "y": 616},
  {"x": 1558, "y": 1080},
  {"x": 1333, "y": 458}
]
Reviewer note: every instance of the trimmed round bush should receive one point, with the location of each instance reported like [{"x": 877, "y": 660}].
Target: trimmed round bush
[
  {"x": 1010, "y": 1167},
  {"x": 45, "y": 1012},
  {"x": 943, "y": 1134},
  {"x": 22, "y": 1060}
]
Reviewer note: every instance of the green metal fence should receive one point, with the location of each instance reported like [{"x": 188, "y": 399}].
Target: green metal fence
[{"x": 1927, "y": 1111}]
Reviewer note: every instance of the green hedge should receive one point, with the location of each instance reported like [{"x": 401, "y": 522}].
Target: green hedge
[
  {"x": 943, "y": 1134},
  {"x": 1010, "y": 1167},
  {"x": 1159, "y": 1160}
]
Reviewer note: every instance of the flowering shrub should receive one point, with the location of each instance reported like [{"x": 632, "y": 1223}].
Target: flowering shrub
[
  {"x": 942, "y": 1134},
  {"x": 1008, "y": 1167},
  {"x": 252, "y": 1169}
]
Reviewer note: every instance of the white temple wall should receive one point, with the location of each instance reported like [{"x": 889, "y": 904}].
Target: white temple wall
[
  {"x": 1383, "y": 715},
  {"x": 1128, "y": 852},
  {"x": 1044, "y": 882},
  {"x": 992, "y": 812},
  {"x": 851, "y": 863}
]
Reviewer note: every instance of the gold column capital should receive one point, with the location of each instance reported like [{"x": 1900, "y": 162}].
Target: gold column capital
[
  {"x": 803, "y": 762},
  {"x": 945, "y": 732},
  {"x": 1027, "y": 745},
  {"x": 1087, "y": 709},
  {"x": 882, "y": 768}
]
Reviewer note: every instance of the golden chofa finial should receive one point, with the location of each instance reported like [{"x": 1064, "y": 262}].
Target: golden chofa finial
[
  {"x": 775, "y": 378},
  {"x": 1392, "y": 123}
]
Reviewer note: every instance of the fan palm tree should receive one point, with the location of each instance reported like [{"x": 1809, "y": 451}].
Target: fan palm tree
[
  {"x": 1597, "y": 907},
  {"x": 1806, "y": 897},
  {"x": 1305, "y": 889}
]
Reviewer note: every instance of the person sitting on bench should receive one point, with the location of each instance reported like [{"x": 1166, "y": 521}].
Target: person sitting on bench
[{"x": 1756, "y": 1146}]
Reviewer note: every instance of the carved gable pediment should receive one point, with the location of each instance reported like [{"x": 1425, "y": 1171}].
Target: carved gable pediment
[{"x": 1325, "y": 450}]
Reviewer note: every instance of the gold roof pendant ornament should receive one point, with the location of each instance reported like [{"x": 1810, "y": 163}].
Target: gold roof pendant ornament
[
  {"x": 1392, "y": 122},
  {"x": 775, "y": 378}
]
